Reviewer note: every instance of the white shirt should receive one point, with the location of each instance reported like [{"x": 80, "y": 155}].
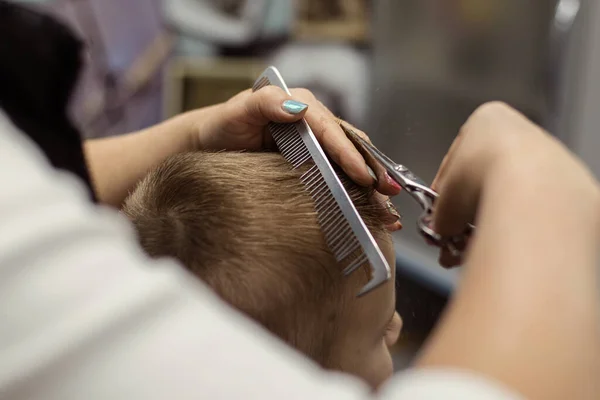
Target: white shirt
[{"x": 84, "y": 314}]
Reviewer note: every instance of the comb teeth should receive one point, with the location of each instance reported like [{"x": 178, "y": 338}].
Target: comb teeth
[
  {"x": 290, "y": 144},
  {"x": 337, "y": 231},
  {"x": 261, "y": 83},
  {"x": 344, "y": 232},
  {"x": 362, "y": 259}
]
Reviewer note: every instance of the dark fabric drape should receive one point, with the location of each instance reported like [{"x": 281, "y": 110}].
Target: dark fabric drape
[{"x": 40, "y": 60}]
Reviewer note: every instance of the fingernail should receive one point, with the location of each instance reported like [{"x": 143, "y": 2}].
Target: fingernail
[
  {"x": 393, "y": 183},
  {"x": 372, "y": 173},
  {"x": 294, "y": 107}
]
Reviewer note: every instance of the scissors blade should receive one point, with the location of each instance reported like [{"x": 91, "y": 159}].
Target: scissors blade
[
  {"x": 416, "y": 187},
  {"x": 398, "y": 172}
]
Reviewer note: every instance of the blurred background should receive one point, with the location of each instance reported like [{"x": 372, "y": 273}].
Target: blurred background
[{"x": 409, "y": 72}]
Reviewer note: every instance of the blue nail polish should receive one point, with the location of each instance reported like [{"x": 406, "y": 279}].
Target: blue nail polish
[{"x": 294, "y": 107}]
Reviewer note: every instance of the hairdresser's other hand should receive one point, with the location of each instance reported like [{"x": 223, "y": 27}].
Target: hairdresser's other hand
[
  {"x": 240, "y": 123},
  {"x": 526, "y": 312},
  {"x": 495, "y": 141}
]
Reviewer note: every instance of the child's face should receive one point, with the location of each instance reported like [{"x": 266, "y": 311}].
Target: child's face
[{"x": 371, "y": 327}]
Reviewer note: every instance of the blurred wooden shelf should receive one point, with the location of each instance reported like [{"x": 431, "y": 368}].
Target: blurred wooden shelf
[
  {"x": 352, "y": 31},
  {"x": 333, "y": 20},
  {"x": 192, "y": 83}
]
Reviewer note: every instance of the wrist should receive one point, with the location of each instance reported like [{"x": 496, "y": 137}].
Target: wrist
[
  {"x": 546, "y": 191},
  {"x": 199, "y": 126},
  {"x": 184, "y": 125}
]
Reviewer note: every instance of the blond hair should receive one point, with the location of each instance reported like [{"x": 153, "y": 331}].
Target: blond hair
[{"x": 243, "y": 223}]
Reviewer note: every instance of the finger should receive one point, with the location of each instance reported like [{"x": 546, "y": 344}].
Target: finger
[
  {"x": 346, "y": 154},
  {"x": 388, "y": 185},
  {"x": 337, "y": 145},
  {"x": 270, "y": 104},
  {"x": 448, "y": 260},
  {"x": 480, "y": 122},
  {"x": 458, "y": 200},
  {"x": 439, "y": 177},
  {"x": 384, "y": 184}
]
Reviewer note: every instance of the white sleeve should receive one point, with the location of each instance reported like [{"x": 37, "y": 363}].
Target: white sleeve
[
  {"x": 440, "y": 384},
  {"x": 85, "y": 315}
]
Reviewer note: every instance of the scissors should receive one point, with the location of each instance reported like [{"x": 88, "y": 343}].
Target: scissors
[{"x": 419, "y": 191}]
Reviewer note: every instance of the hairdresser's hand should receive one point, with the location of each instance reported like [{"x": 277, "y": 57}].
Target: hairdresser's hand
[
  {"x": 241, "y": 122},
  {"x": 527, "y": 303},
  {"x": 498, "y": 143}
]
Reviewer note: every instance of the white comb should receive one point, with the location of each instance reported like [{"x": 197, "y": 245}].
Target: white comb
[{"x": 344, "y": 230}]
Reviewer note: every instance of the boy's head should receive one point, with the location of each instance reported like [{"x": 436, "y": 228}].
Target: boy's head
[{"x": 243, "y": 223}]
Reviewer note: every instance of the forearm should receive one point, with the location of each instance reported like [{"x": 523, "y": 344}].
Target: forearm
[
  {"x": 118, "y": 163},
  {"x": 527, "y": 309}
]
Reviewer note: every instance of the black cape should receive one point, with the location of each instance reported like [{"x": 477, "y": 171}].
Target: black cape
[{"x": 40, "y": 61}]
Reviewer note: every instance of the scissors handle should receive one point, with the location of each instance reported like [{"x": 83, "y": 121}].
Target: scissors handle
[
  {"x": 420, "y": 192},
  {"x": 426, "y": 197},
  {"x": 456, "y": 245}
]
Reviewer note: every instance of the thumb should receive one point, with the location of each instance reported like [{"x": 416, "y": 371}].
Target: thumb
[{"x": 273, "y": 104}]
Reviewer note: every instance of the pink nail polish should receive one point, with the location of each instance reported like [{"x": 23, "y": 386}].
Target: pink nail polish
[{"x": 393, "y": 183}]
